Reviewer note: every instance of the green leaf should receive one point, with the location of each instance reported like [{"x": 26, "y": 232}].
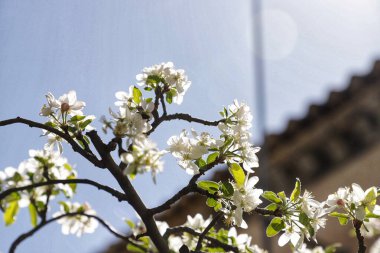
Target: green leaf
[
  {"x": 147, "y": 88},
  {"x": 271, "y": 196},
  {"x": 67, "y": 167},
  {"x": 10, "y": 213},
  {"x": 211, "y": 202},
  {"x": 136, "y": 95},
  {"x": 200, "y": 163},
  {"x": 339, "y": 215},
  {"x": 77, "y": 118},
  {"x": 238, "y": 174},
  {"x": 50, "y": 124},
  {"x": 271, "y": 207},
  {"x": 296, "y": 192},
  {"x": 85, "y": 123},
  {"x": 212, "y": 157},
  {"x": 66, "y": 207},
  {"x": 148, "y": 100},
  {"x": 14, "y": 196},
  {"x": 33, "y": 215},
  {"x": 372, "y": 215},
  {"x": 227, "y": 189},
  {"x": 133, "y": 248},
  {"x": 169, "y": 97},
  {"x": 275, "y": 226},
  {"x": 282, "y": 196},
  {"x": 218, "y": 206},
  {"x": 343, "y": 221},
  {"x": 304, "y": 219},
  {"x": 153, "y": 79},
  {"x": 209, "y": 186}
]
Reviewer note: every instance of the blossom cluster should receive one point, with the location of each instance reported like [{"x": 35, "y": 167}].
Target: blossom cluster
[
  {"x": 355, "y": 203},
  {"x": 65, "y": 114},
  {"x": 183, "y": 237},
  {"x": 301, "y": 216},
  {"x": 79, "y": 223},
  {"x": 189, "y": 149},
  {"x": 144, "y": 156},
  {"x": 42, "y": 166},
  {"x": 172, "y": 82}
]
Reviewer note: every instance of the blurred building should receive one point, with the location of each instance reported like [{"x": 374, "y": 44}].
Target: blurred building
[{"x": 335, "y": 144}]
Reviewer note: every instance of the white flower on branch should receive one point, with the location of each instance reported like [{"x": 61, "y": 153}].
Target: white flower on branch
[
  {"x": 78, "y": 224},
  {"x": 245, "y": 198},
  {"x": 129, "y": 123},
  {"x": 187, "y": 149},
  {"x": 173, "y": 80},
  {"x": 143, "y": 157},
  {"x": 67, "y": 103}
]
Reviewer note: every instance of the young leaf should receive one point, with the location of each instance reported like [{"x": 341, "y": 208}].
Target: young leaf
[
  {"x": 343, "y": 221},
  {"x": 296, "y": 192},
  {"x": 209, "y": 186},
  {"x": 133, "y": 248},
  {"x": 238, "y": 174},
  {"x": 136, "y": 95},
  {"x": 66, "y": 207},
  {"x": 211, "y": 202},
  {"x": 227, "y": 189},
  {"x": 271, "y": 196},
  {"x": 271, "y": 207},
  {"x": 169, "y": 97},
  {"x": 339, "y": 215},
  {"x": 10, "y": 213},
  {"x": 212, "y": 157},
  {"x": 275, "y": 226},
  {"x": 85, "y": 123},
  {"x": 33, "y": 215}
]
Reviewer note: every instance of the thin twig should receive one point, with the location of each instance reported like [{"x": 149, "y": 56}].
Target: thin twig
[
  {"x": 190, "y": 187},
  {"x": 89, "y": 156},
  {"x": 181, "y": 116},
  {"x": 119, "y": 195},
  {"x": 31, "y": 232},
  {"x": 361, "y": 246},
  {"x": 204, "y": 233}
]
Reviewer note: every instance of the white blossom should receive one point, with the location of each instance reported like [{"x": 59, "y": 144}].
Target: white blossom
[
  {"x": 129, "y": 123},
  {"x": 78, "y": 224},
  {"x": 67, "y": 103},
  {"x": 144, "y": 157},
  {"x": 173, "y": 80},
  {"x": 187, "y": 149}
]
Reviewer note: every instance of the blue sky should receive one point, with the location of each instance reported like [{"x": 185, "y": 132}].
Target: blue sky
[{"x": 97, "y": 48}]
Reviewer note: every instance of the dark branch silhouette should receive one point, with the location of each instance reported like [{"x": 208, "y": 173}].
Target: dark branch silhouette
[
  {"x": 119, "y": 195},
  {"x": 76, "y": 147},
  {"x": 357, "y": 224},
  {"x": 42, "y": 224}
]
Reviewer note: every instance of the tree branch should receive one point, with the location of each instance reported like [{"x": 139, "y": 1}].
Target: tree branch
[
  {"x": 31, "y": 232},
  {"x": 89, "y": 156},
  {"x": 119, "y": 195},
  {"x": 204, "y": 233},
  {"x": 181, "y": 116},
  {"x": 190, "y": 187},
  {"x": 361, "y": 247},
  {"x": 133, "y": 198}
]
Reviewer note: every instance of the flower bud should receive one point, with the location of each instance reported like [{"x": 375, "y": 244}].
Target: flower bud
[{"x": 65, "y": 107}]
